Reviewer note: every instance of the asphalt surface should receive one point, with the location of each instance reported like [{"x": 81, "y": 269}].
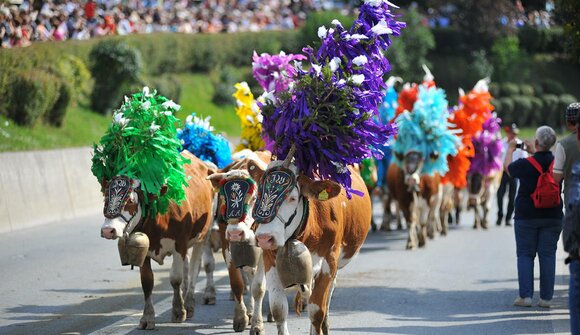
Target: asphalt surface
[{"x": 62, "y": 278}]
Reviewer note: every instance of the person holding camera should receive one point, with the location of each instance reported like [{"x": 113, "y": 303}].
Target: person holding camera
[
  {"x": 571, "y": 237},
  {"x": 538, "y": 215},
  {"x": 508, "y": 183}
]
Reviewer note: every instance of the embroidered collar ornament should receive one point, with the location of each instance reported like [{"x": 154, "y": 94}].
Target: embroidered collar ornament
[
  {"x": 250, "y": 116},
  {"x": 141, "y": 143},
  {"x": 116, "y": 196},
  {"x": 198, "y": 138},
  {"x": 329, "y": 112},
  {"x": 273, "y": 189},
  {"x": 235, "y": 196}
]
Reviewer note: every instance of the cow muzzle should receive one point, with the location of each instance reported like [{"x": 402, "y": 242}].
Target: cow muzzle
[
  {"x": 267, "y": 242},
  {"x": 235, "y": 235},
  {"x": 109, "y": 233}
]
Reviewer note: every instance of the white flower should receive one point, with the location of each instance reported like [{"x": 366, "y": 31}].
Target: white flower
[
  {"x": 334, "y": 64},
  {"x": 357, "y": 79},
  {"x": 168, "y": 113},
  {"x": 120, "y": 119},
  {"x": 381, "y": 28},
  {"x": 356, "y": 111},
  {"x": 360, "y": 60},
  {"x": 6, "y": 123},
  {"x": 172, "y": 105},
  {"x": 336, "y": 22},
  {"x": 317, "y": 68},
  {"x": 146, "y": 105},
  {"x": 250, "y": 119},
  {"x": 203, "y": 123},
  {"x": 356, "y": 37},
  {"x": 260, "y": 118},
  {"x": 322, "y": 32},
  {"x": 188, "y": 119},
  {"x": 376, "y": 3},
  {"x": 341, "y": 82},
  {"x": 154, "y": 127},
  {"x": 127, "y": 100},
  {"x": 255, "y": 108},
  {"x": 268, "y": 96},
  {"x": 146, "y": 91}
]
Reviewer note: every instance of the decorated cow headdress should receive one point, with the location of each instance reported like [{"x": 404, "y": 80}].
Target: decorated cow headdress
[
  {"x": 198, "y": 138},
  {"x": 488, "y": 148},
  {"x": 426, "y": 130},
  {"x": 141, "y": 143},
  {"x": 250, "y": 116},
  {"x": 329, "y": 113}
]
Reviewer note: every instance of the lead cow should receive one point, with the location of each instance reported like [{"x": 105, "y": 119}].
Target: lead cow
[
  {"x": 172, "y": 233},
  {"x": 319, "y": 214}
]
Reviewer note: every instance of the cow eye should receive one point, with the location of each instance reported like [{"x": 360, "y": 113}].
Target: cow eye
[{"x": 291, "y": 199}]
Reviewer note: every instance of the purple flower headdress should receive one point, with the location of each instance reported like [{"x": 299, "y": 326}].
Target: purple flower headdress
[
  {"x": 275, "y": 73},
  {"x": 329, "y": 114},
  {"x": 488, "y": 147}
]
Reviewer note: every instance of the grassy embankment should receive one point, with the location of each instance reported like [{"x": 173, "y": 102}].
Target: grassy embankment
[{"x": 82, "y": 127}]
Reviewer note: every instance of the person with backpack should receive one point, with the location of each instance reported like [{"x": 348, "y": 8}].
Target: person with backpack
[{"x": 538, "y": 215}]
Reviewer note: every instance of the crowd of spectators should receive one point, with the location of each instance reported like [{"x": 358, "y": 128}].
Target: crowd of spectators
[{"x": 57, "y": 20}]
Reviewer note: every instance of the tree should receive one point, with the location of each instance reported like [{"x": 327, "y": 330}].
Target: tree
[{"x": 568, "y": 11}]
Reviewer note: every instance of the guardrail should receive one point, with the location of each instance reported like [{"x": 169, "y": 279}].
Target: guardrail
[{"x": 41, "y": 187}]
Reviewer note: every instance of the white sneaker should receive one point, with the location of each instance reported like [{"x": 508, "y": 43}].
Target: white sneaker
[
  {"x": 545, "y": 303},
  {"x": 523, "y": 302}
]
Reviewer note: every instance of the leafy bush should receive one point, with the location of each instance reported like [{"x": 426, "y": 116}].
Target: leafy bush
[
  {"x": 32, "y": 95},
  {"x": 114, "y": 65},
  {"x": 551, "y": 86},
  {"x": 223, "y": 81},
  {"x": 522, "y": 109},
  {"x": 480, "y": 65},
  {"x": 55, "y": 115},
  {"x": 509, "y": 89},
  {"x": 505, "y": 55},
  {"x": 507, "y": 108},
  {"x": 166, "y": 85},
  {"x": 495, "y": 90},
  {"x": 527, "y": 89}
]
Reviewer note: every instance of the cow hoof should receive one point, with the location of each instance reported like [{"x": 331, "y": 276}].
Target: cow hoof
[
  {"x": 147, "y": 324},
  {"x": 209, "y": 300},
  {"x": 270, "y": 317},
  {"x": 190, "y": 310},
  {"x": 241, "y": 324},
  {"x": 179, "y": 316},
  {"x": 257, "y": 330},
  {"x": 411, "y": 246}
]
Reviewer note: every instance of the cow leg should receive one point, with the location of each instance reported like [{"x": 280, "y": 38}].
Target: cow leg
[
  {"x": 241, "y": 319},
  {"x": 258, "y": 291},
  {"x": 320, "y": 298},
  {"x": 249, "y": 273},
  {"x": 278, "y": 301},
  {"x": 412, "y": 226},
  {"x": 209, "y": 296},
  {"x": 148, "y": 319},
  {"x": 325, "y": 325},
  {"x": 195, "y": 263},
  {"x": 178, "y": 313}
]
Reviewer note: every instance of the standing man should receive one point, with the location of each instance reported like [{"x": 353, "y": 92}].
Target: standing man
[
  {"x": 508, "y": 183},
  {"x": 571, "y": 239},
  {"x": 567, "y": 151}
]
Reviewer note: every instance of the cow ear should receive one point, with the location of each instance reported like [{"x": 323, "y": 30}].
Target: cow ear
[
  {"x": 265, "y": 156},
  {"x": 255, "y": 171},
  {"x": 215, "y": 179},
  {"x": 399, "y": 156},
  {"x": 320, "y": 189},
  {"x": 163, "y": 190},
  {"x": 104, "y": 185}
]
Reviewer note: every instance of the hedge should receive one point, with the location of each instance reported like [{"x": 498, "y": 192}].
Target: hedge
[{"x": 33, "y": 96}]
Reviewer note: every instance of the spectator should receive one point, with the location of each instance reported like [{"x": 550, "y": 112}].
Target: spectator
[
  {"x": 90, "y": 10},
  {"x": 567, "y": 151},
  {"x": 571, "y": 239},
  {"x": 508, "y": 183},
  {"x": 537, "y": 230}
]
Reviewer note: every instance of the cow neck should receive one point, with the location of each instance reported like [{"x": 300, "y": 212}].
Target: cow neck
[
  {"x": 302, "y": 225},
  {"x": 138, "y": 226}
]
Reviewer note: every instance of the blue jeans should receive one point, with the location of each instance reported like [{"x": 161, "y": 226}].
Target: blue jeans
[
  {"x": 539, "y": 236},
  {"x": 574, "y": 296}
]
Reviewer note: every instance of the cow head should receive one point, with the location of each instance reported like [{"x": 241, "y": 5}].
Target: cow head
[
  {"x": 475, "y": 186},
  {"x": 237, "y": 195},
  {"x": 412, "y": 164},
  {"x": 282, "y": 204},
  {"x": 122, "y": 209}
]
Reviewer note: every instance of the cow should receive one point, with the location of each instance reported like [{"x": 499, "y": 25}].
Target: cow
[
  {"x": 482, "y": 190},
  {"x": 318, "y": 214},
  {"x": 240, "y": 229},
  {"x": 418, "y": 197},
  {"x": 182, "y": 227}
]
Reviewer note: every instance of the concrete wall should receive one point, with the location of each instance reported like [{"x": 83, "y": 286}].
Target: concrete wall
[{"x": 39, "y": 187}]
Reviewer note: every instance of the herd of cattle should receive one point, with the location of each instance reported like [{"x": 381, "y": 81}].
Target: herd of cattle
[{"x": 267, "y": 203}]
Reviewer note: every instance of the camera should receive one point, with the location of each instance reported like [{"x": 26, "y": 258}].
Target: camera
[{"x": 520, "y": 145}]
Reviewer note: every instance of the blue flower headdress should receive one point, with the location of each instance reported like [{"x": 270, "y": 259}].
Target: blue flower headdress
[
  {"x": 329, "y": 113},
  {"x": 198, "y": 138},
  {"x": 425, "y": 130}
]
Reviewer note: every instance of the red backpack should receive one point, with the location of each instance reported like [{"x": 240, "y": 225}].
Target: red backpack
[{"x": 547, "y": 193}]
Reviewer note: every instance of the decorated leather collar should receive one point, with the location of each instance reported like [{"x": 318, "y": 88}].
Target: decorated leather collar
[
  {"x": 273, "y": 189},
  {"x": 116, "y": 196},
  {"x": 235, "y": 196}
]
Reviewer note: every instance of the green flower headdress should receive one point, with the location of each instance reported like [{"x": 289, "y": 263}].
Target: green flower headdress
[{"x": 141, "y": 143}]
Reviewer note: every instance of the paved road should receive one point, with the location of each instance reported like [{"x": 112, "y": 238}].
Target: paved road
[{"x": 64, "y": 279}]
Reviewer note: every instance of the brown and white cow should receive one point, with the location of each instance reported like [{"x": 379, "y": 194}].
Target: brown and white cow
[
  {"x": 173, "y": 233},
  {"x": 482, "y": 190},
  {"x": 241, "y": 229},
  {"x": 319, "y": 214},
  {"x": 418, "y": 197}
]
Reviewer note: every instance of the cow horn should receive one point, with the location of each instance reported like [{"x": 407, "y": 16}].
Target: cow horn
[{"x": 288, "y": 159}]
